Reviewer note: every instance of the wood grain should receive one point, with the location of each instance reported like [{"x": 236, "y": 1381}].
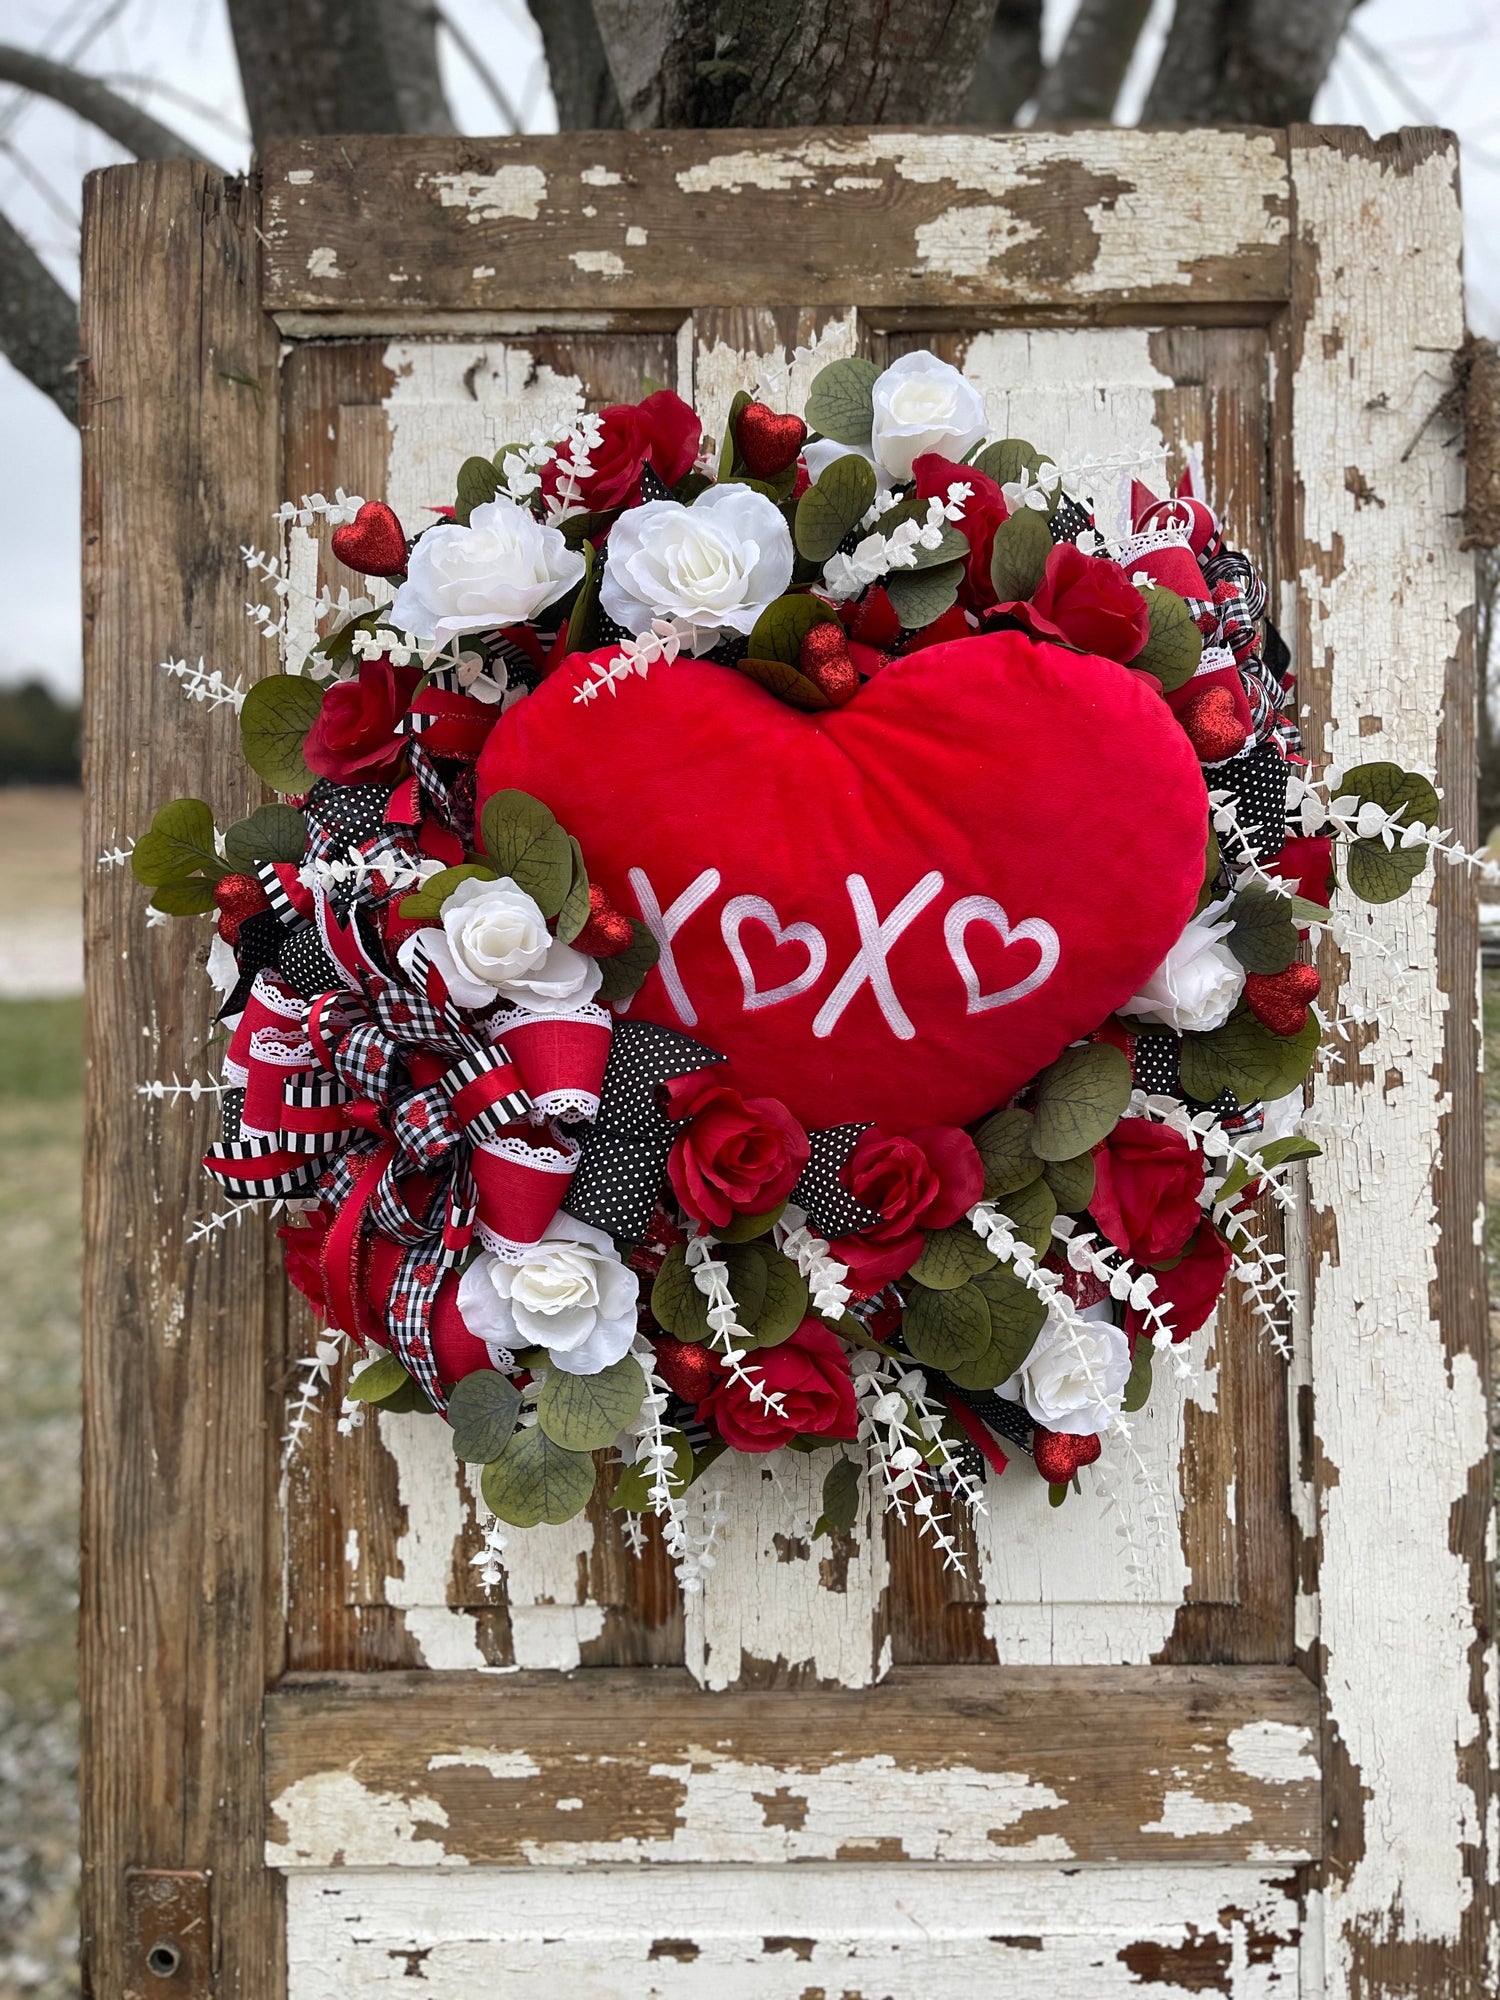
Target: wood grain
[
  {"x": 182, "y": 1341},
  {"x": 954, "y": 1764}
]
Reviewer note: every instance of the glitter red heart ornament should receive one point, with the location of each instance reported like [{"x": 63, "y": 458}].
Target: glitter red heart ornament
[
  {"x": 767, "y": 442},
  {"x": 1057, "y": 1455},
  {"x": 1214, "y": 729},
  {"x": 374, "y": 542},
  {"x": 1280, "y": 1000},
  {"x": 607, "y": 932},
  {"x": 824, "y": 657},
  {"x": 898, "y": 910},
  {"x": 237, "y": 897},
  {"x": 687, "y": 1367}
]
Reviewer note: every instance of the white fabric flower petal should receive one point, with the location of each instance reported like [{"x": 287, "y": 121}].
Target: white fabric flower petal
[
  {"x": 1074, "y": 1377},
  {"x": 502, "y": 569},
  {"x": 1198, "y": 984},
  {"x": 495, "y": 941},
  {"x": 922, "y": 404},
  {"x": 569, "y": 1294},
  {"x": 710, "y": 568}
]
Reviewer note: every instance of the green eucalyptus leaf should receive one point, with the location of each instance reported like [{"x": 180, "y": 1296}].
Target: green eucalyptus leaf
[
  {"x": 1017, "y": 1316},
  {"x": 1245, "y": 1057},
  {"x": 745, "y": 1228},
  {"x": 833, "y": 506},
  {"x": 626, "y": 972},
  {"x": 1004, "y": 1142},
  {"x": 1080, "y": 1100},
  {"x": 1138, "y": 1381},
  {"x": 1005, "y": 461},
  {"x": 1031, "y": 1209},
  {"x": 729, "y": 450},
  {"x": 587, "y": 1412},
  {"x": 278, "y": 713},
  {"x": 1175, "y": 645},
  {"x": 535, "y": 1480},
  {"x": 583, "y": 619},
  {"x": 780, "y": 629},
  {"x": 784, "y": 1302},
  {"x": 525, "y": 842},
  {"x": 1263, "y": 937},
  {"x": 427, "y": 902},
  {"x": 482, "y": 1411},
  {"x": 189, "y": 898},
  {"x": 946, "y": 1329},
  {"x": 786, "y": 682},
  {"x": 574, "y": 913},
  {"x": 677, "y": 1305},
  {"x": 1071, "y": 1182},
  {"x": 840, "y": 404},
  {"x": 179, "y": 847},
  {"x": 1379, "y": 874},
  {"x": 840, "y": 1499},
  {"x": 950, "y": 1257},
  {"x": 1391, "y": 787},
  {"x": 382, "y": 1377},
  {"x": 1018, "y": 559},
  {"x": 478, "y": 482},
  {"x": 1278, "y": 1151},
  {"x": 633, "y": 1487},
  {"x": 921, "y": 595},
  {"x": 271, "y": 833}
]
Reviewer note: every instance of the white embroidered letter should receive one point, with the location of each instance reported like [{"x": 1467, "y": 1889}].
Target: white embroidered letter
[
  {"x": 664, "y": 926},
  {"x": 869, "y": 962}
]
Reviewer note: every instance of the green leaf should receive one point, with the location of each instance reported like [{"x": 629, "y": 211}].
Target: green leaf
[
  {"x": 1071, "y": 1182},
  {"x": 951, "y": 546},
  {"x": 1057, "y": 1492},
  {"x": 626, "y": 972},
  {"x": 1079, "y": 1101},
  {"x": 1389, "y": 786},
  {"x": 582, "y": 621},
  {"x": 840, "y": 1499},
  {"x": 946, "y": 1329},
  {"x": 429, "y": 899},
  {"x": 729, "y": 450},
  {"x": 1138, "y": 1381},
  {"x": 1018, "y": 559},
  {"x": 274, "y": 722},
  {"x": 478, "y": 482},
  {"x": 587, "y": 1412},
  {"x": 482, "y": 1410},
  {"x": 183, "y": 899},
  {"x": 1032, "y": 1210},
  {"x": 1379, "y": 874},
  {"x": 1264, "y": 937},
  {"x": 920, "y": 595},
  {"x": 526, "y": 843},
  {"x": 574, "y": 913},
  {"x": 1017, "y": 1316},
  {"x": 633, "y": 1487},
  {"x": 271, "y": 833},
  {"x": 784, "y": 1302},
  {"x": 1005, "y": 461},
  {"x": 780, "y": 629},
  {"x": 383, "y": 1377},
  {"x": 179, "y": 847},
  {"x": 833, "y": 506},
  {"x": 535, "y": 1480},
  {"x": 840, "y": 404},
  {"x": 1294, "y": 1147},
  {"x": 950, "y": 1257},
  {"x": 744, "y": 1228},
  {"x": 1175, "y": 646},
  {"x": 677, "y": 1305},
  {"x": 1245, "y": 1057},
  {"x": 1004, "y": 1142},
  {"x": 786, "y": 682},
  {"x": 762, "y": 1295}
]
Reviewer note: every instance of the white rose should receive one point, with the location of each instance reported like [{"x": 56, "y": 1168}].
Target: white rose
[
  {"x": 495, "y": 940},
  {"x": 923, "y": 404},
  {"x": 711, "y": 568},
  {"x": 1074, "y": 1376},
  {"x": 1198, "y": 984},
  {"x": 819, "y": 453},
  {"x": 569, "y": 1293},
  {"x": 1282, "y": 1116},
  {"x": 500, "y": 570}
]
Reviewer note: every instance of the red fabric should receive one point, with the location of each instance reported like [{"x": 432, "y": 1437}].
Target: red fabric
[
  {"x": 1089, "y": 602},
  {"x": 984, "y": 510},
  {"x": 1188, "y": 1293},
  {"x": 1226, "y": 677},
  {"x": 810, "y": 1373},
  {"x": 736, "y": 1156},
  {"x": 1173, "y": 565},
  {"x": 556, "y": 1052},
  {"x": 302, "y": 1248},
  {"x": 1147, "y": 1180},
  {"x": 1306, "y": 866},
  {"x": 925, "y": 1180},
  {"x": 517, "y": 1198},
  {"x": 354, "y": 740},
  {"x": 994, "y": 763}
]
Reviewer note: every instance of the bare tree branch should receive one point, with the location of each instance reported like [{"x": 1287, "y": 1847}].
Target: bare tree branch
[
  {"x": 316, "y": 66},
  {"x": 38, "y": 322},
  {"x": 1245, "y": 62},
  {"x": 792, "y": 62},
  {"x": 1085, "y": 80},
  {"x": 136, "y": 130},
  {"x": 1009, "y": 64},
  {"x": 582, "y": 87}
]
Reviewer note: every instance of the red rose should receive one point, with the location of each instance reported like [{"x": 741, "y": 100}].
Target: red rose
[
  {"x": 1147, "y": 1180},
  {"x": 302, "y": 1248},
  {"x": 738, "y": 1156},
  {"x": 354, "y": 740},
  {"x": 1188, "y": 1293},
  {"x": 1088, "y": 601},
  {"x": 1306, "y": 866},
  {"x": 984, "y": 510},
  {"x": 916, "y": 1181},
  {"x": 661, "y": 431},
  {"x": 809, "y": 1372}
]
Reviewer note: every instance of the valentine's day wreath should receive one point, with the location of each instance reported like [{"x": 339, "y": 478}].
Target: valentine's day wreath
[{"x": 797, "y": 946}]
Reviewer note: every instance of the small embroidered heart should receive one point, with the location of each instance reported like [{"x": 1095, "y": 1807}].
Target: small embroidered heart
[
  {"x": 1280, "y": 1000},
  {"x": 1057, "y": 1455},
  {"x": 237, "y": 897},
  {"x": 824, "y": 657},
  {"x": 687, "y": 1367},
  {"x": 1213, "y": 728},
  {"x": 768, "y": 443},
  {"x": 374, "y": 542},
  {"x": 607, "y": 932}
]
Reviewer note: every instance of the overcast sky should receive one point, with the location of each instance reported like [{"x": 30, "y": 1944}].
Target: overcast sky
[{"x": 1403, "y": 63}]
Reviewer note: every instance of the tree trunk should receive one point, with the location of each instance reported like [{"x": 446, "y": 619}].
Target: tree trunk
[
  {"x": 1010, "y": 64},
  {"x": 315, "y": 66},
  {"x": 793, "y": 62},
  {"x": 1245, "y": 62},
  {"x": 582, "y": 87},
  {"x": 1085, "y": 80}
]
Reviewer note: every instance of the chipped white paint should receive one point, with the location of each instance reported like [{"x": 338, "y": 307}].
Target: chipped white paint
[
  {"x": 511, "y": 191},
  {"x": 354, "y": 1826},
  {"x": 323, "y": 263},
  {"x": 499, "y": 1763},
  {"x": 421, "y": 1585},
  {"x": 546, "y": 1585},
  {"x": 301, "y": 553},
  {"x": 603, "y": 263},
  {"x": 1399, "y": 1426},
  {"x": 300, "y": 177},
  {"x": 1277, "y": 1753},
  {"x": 776, "y": 1595},
  {"x": 599, "y": 177},
  {"x": 635, "y": 237},
  {"x": 780, "y": 379},
  {"x": 1184, "y": 1814},
  {"x": 899, "y": 1933}
]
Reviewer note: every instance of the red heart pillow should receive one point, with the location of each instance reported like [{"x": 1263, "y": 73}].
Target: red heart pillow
[{"x": 896, "y": 910}]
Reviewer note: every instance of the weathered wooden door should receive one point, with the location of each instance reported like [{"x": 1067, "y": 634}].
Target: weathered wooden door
[{"x": 1225, "y": 1732}]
